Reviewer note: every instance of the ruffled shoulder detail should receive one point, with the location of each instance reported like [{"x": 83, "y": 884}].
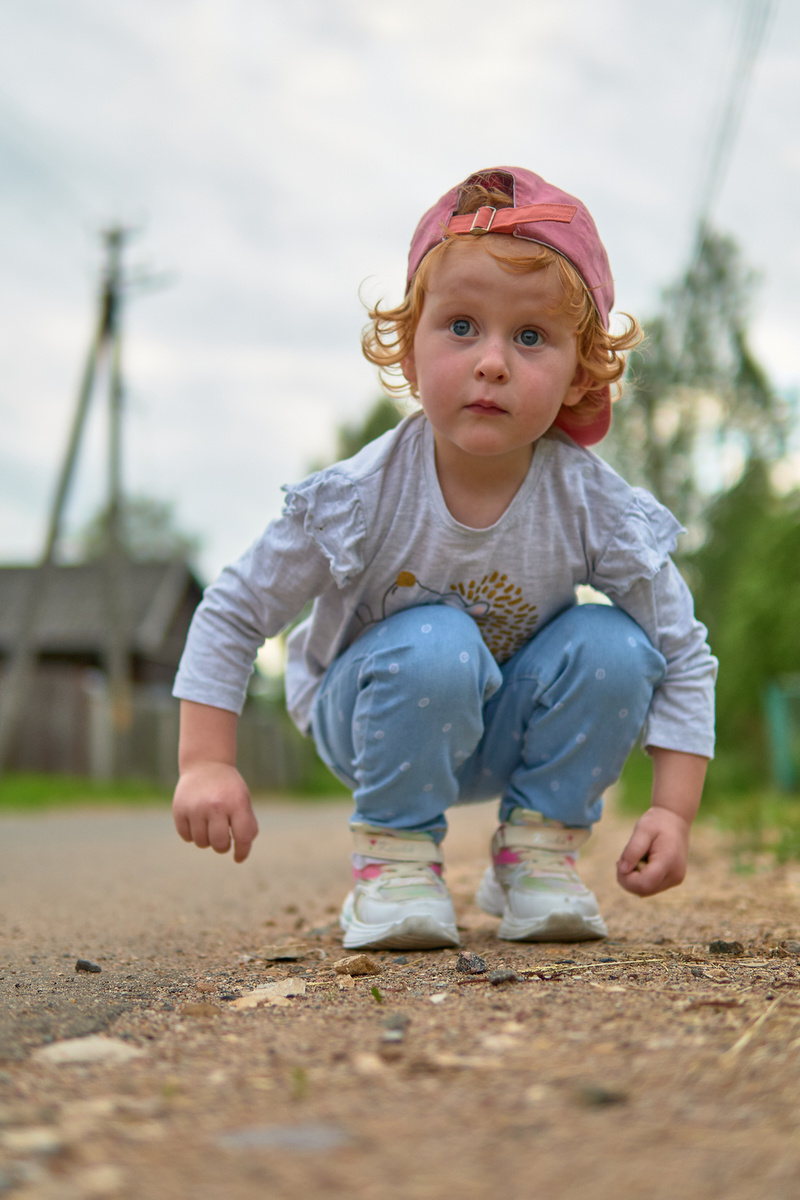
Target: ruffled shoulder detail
[
  {"x": 643, "y": 539},
  {"x": 333, "y": 518}
]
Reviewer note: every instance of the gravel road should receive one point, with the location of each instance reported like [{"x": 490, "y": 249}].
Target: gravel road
[{"x": 221, "y": 1054}]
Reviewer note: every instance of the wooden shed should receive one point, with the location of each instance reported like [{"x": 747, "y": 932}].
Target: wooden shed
[{"x": 61, "y": 728}]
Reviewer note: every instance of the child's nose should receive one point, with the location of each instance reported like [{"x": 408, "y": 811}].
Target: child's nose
[{"x": 492, "y": 363}]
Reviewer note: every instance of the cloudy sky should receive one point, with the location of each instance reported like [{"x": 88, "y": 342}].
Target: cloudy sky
[{"x": 274, "y": 159}]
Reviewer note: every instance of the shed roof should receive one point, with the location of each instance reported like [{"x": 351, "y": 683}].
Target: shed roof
[{"x": 72, "y": 616}]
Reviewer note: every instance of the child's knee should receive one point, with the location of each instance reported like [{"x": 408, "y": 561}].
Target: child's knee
[
  {"x": 611, "y": 648},
  {"x": 435, "y": 650}
]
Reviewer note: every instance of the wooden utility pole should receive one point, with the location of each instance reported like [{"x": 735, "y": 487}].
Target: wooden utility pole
[{"x": 18, "y": 675}]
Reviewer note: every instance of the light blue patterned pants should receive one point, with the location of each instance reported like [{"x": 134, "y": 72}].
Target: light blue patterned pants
[{"x": 417, "y": 716}]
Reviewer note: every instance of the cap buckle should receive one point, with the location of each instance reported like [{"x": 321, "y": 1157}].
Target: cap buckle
[{"x": 478, "y": 219}]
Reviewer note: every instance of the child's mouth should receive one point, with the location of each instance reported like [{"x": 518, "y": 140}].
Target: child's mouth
[{"x": 485, "y": 406}]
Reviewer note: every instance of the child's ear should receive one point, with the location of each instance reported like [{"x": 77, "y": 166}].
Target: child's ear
[
  {"x": 582, "y": 383},
  {"x": 409, "y": 368}
]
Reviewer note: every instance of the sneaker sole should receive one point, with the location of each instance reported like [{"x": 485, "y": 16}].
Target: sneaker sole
[
  {"x": 414, "y": 933},
  {"x": 557, "y": 926}
]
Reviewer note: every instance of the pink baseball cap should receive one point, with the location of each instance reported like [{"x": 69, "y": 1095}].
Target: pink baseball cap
[{"x": 539, "y": 213}]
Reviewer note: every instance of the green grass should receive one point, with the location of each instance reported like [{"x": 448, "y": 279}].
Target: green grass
[
  {"x": 760, "y": 819},
  {"x": 27, "y": 791},
  {"x": 30, "y": 791}
]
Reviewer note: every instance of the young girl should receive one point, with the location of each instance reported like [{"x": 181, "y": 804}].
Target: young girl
[{"x": 445, "y": 659}]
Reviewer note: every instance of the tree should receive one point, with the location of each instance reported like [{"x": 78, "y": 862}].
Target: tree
[
  {"x": 382, "y": 417},
  {"x": 694, "y": 389},
  {"x": 746, "y": 581},
  {"x": 149, "y": 533}
]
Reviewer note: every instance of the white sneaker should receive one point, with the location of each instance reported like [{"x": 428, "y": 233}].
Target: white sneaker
[
  {"x": 402, "y": 903},
  {"x": 533, "y": 884}
]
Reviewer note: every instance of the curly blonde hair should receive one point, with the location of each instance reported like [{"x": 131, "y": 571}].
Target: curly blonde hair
[{"x": 389, "y": 336}]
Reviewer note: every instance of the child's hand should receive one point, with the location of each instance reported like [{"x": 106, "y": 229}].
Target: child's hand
[
  {"x": 212, "y": 803},
  {"x": 655, "y": 856}
]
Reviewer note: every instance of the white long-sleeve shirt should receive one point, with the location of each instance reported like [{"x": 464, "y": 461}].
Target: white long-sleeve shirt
[{"x": 372, "y": 535}]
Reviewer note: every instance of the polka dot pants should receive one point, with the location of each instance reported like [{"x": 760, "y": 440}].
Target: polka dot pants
[{"x": 416, "y": 716}]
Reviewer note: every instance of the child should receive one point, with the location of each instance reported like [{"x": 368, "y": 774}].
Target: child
[{"x": 445, "y": 659}]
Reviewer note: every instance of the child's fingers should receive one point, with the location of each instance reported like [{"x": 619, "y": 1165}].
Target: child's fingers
[
  {"x": 645, "y": 879},
  {"x": 244, "y": 827},
  {"x": 636, "y": 850},
  {"x": 219, "y": 837},
  {"x": 183, "y": 826}
]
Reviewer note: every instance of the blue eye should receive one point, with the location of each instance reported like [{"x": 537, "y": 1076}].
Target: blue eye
[
  {"x": 461, "y": 327},
  {"x": 530, "y": 337}
]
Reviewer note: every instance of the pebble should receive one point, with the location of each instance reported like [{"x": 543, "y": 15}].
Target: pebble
[
  {"x": 83, "y": 964},
  {"x": 92, "y": 1049},
  {"x": 396, "y": 1021},
  {"x": 503, "y": 975},
  {"x": 720, "y": 947},
  {"x": 791, "y": 947},
  {"x": 291, "y": 952},
  {"x": 597, "y": 1096},
  {"x": 275, "y": 992},
  {"x": 470, "y": 964},
  {"x": 357, "y": 964},
  {"x": 199, "y": 1010},
  {"x": 311, "y": 1136},
  {"x": 36, "y": 1139}
]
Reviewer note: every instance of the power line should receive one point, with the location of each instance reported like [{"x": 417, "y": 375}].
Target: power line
[{"x": 757, "y": 17}]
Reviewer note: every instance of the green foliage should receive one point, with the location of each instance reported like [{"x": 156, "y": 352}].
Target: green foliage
[
  {"x": 694, "y": 386},
  {"x": 382, "y": 417},
  {"x": 747, "y": 591},
  {"x": 148, "y": 532},
  {"x": 762, "y": 824}
]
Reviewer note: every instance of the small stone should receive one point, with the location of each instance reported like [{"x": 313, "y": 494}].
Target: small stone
[
  {"x": 470, "y": 964},
  {"x": 346, "y": 982},
  {"x": 199, "y": 1010},
  {"x": 357, "y": 964},
  {"x": 392, "y": 1037},
  {"x": 290, "y": 952},
  {"x": 37, "y": 1139},
  {"x": 396, "y": 1022},
  {"x": 791, "y": 947},
  {"x": 720, "y": 947},
  {"x": 92, "y": 1049},
  {"x": 91, "y": 968},
  {"x": 597, "y": 1096},
  {"x": 206, "y": 988},
  {"x": 391, "y": 1051},
  {"x": 503, "y": 975},
  {"x": 401, "y": 960},
  {"x": 275, "y": 992},
  {"x": 314, "y": 1136},
  {"x": 368, "y": 1064}
]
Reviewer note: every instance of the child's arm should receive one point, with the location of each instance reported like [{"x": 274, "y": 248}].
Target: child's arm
[
  {"x": 211, "y": 800},
  {"x": 655, "y": 856}
]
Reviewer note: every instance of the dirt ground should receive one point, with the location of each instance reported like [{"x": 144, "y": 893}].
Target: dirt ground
[{"x": 645, "y": 1066}]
